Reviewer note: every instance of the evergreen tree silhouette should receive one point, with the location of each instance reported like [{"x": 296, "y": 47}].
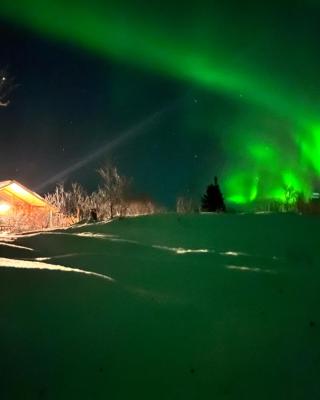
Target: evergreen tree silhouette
[{"x": 212, "y": 200}]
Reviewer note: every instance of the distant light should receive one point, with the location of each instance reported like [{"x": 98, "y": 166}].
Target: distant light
[
  {"x": 315, "y": 195},
  {"x": 4, "y": 207}
]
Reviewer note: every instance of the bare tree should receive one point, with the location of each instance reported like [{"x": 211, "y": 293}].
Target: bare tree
[
  {"x": 58, "y": 198},
  {"x": 290, "y": 198},
  {"x": 185, "y": 205},
  {"x": 78, "y": 201},
  {"x": 141, "y": 207},
  {"x": 110, "y": 199},
  {"x": 6, "y": 86},
  {"x": 112, "y": 191},
  {"x": 74, "y": 203}
]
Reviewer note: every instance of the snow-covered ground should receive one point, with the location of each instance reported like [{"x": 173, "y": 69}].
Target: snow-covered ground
[{"x": 163, "y": 307}]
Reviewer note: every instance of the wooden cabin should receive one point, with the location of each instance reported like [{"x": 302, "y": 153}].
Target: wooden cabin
[{"x": 21, "y": 209}]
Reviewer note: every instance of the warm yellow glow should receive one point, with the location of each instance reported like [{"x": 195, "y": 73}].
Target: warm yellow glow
[
  {"x": 4, "y": 207},
  {"x": 29, "y": 197},
  {"x": 18, "y": 189}
]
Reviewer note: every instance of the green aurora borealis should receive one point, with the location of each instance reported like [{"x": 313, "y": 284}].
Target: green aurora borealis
[{"x": 261, "y": 57}]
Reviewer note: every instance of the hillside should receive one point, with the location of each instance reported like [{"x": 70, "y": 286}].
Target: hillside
[{"x": 163, "y": 307}]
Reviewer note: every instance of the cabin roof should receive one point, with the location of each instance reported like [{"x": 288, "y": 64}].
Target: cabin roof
[{"x": 12, "y": 189}]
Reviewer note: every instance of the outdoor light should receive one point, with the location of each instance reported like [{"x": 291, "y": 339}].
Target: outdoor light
[{"x": 4, "y": 207}]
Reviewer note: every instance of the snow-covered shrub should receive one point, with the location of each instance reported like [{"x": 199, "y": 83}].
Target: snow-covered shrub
[{"x": 185, "y": 205}]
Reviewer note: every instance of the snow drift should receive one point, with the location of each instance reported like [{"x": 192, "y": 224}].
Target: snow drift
[{"x": 163, "y": 307}]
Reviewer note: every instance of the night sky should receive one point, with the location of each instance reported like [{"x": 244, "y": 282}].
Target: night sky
[{"x": 172, "y": 93}]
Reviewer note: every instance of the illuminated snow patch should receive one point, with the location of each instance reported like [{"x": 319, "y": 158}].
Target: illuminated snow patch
[
  {"x": 23, "y": 264},
  {"x": 112, "y": 238},
  {"x": 180, "y": 250},
  {"x": 89, "y": 224},
  {"x": 185, "y": 251},
  {"x": 61, "y": 256},
  {"x": 68, "y": 255},
  {"x": 233, "y": 253},
  {"x": 93, "y": 235},
  {"x": 7, "y": 237},
  {"x": 243, "y": 268},
  {"x": 16, "y": 246},
  {"x": 28, "y": 235}
]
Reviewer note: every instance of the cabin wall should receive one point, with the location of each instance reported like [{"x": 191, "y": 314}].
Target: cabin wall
[
  {"x": 24, "y": 210},
  {"x": 24, "y": 217}
]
